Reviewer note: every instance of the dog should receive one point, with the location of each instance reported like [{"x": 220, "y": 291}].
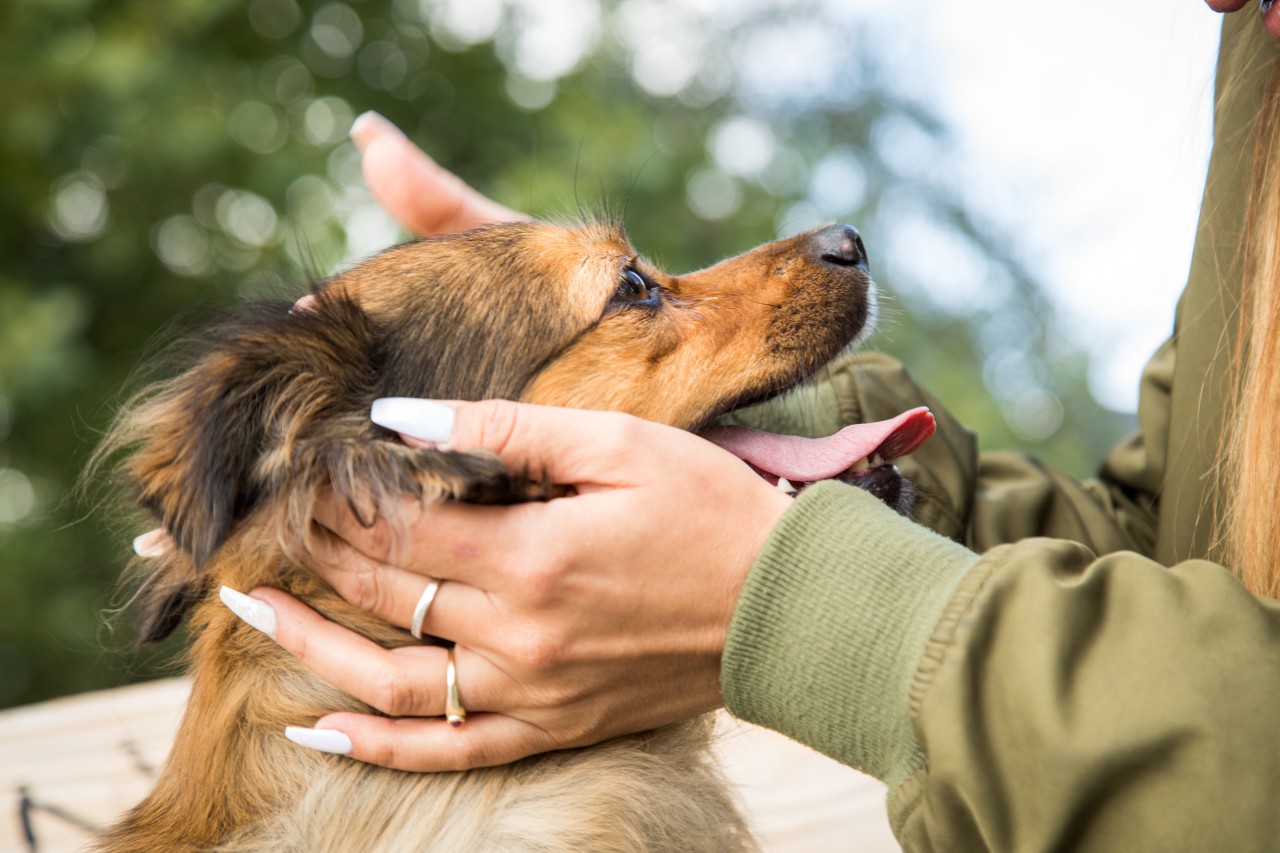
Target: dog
[{"x": 272, "y": 408}]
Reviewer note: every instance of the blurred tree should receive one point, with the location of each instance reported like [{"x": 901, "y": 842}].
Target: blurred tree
[{"x": 157, "y": 156}]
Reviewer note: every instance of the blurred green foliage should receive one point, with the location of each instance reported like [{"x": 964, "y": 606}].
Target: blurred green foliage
[{"x": 156, "y": 156}]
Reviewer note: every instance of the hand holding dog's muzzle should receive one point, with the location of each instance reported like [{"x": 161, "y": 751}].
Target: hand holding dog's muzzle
[{"x": 575, "y": 619}]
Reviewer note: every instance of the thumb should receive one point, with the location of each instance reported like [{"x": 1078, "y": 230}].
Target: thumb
[
  {"x": 422, "y": 195},
  {"x": 566, "y": 446}
]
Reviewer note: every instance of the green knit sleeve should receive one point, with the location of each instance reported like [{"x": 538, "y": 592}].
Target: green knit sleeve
[
  {"x": 1038, "y": 697},
  {"x": 831, "y": 623}
]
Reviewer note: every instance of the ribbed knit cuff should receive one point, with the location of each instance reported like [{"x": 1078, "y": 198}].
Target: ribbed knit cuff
[{"x": 832, "y": 623}]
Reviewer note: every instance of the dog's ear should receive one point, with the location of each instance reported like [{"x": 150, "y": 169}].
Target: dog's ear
[
  {"x": 169, "y": 588},
  {"x": 272, "y": 409},
  {"x": 372, "y": 471},
  {"x": 198, "y": 438},
  {"x": 197, "y": 445}
]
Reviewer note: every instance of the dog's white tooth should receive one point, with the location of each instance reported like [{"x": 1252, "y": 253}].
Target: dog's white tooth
[
  {"x": 860, "y": 466},
  {"x": 784, "y": 486}
]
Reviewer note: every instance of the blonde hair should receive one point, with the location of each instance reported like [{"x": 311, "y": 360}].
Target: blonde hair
[{"x": 1251, "y": 530}]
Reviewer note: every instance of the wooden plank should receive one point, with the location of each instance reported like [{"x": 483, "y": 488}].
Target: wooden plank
[
  {"x": 82, "y": 759},
  {"x": 89, "y": 758}
]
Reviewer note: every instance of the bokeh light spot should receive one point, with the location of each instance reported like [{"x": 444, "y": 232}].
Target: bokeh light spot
[
  {"x": 78, "y": 207},
  {"x": 257, "y": 126},
  {"x": 182, "y": 245},
  {"x": 742, "y": 146},
  {"x": 247, "y": 218},
  {"x": 274, "y": 19},
  {"x": 337, "y": 30},
  {"x": 713, "y": 195},
  {"x": 17, "y": 496}
]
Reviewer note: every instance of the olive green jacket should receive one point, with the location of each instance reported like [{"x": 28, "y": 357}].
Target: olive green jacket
[{"x": 1075, "y": 675}]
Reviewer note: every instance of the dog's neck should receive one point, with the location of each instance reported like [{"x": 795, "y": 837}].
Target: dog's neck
[{"x": 245, "y": 690}]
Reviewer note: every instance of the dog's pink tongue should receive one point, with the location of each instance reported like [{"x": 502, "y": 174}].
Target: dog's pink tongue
[{"x": 807, "y": 460}]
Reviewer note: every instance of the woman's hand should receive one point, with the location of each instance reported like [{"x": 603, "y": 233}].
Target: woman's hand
[
  {"x": 421, "y": 194},
  {"x": 1270, "y": 11},
  {"x": 576, "y": 619}
]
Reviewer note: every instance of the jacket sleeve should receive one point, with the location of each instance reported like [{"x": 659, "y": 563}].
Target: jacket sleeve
[
  {"x": 1036, "y": 697},
  {"x": 1016, "y": 691}
]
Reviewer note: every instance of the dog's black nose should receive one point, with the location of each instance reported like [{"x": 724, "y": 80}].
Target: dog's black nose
[{"x": 841, "y": 245}]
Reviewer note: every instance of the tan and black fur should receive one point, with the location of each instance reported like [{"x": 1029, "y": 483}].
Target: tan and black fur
[{"x": 230, "y": 454}]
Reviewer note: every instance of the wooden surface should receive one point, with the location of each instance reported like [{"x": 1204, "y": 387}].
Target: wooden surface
[{"x": 81, "y": 761}]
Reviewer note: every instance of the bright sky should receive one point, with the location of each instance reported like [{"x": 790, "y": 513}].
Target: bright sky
[
  {"x": 1082, "y": 125},
  {"x": 1088, "y": 124}
]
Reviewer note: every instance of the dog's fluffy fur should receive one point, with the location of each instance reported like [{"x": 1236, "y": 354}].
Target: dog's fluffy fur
[{"x": 230, "y": 454}]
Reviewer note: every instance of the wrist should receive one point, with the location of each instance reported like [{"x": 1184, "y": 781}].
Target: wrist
[
  {"x": 755, "y": 526},
  {"x": 832, "y": 622}
]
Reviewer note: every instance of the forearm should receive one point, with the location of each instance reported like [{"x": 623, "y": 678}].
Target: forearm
[
  {"x": 1054, "y": 699},
  {"x": 831, "y": 623}
]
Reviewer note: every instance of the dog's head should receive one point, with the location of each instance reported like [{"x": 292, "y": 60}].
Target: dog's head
[
  {"x": 574, "y": 317},
  {"x": 274, "y": 407}
]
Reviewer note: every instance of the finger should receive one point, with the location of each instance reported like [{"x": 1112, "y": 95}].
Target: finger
[
  {"x": 569, "y": 447},
  {"x": 398, "y": 681},
  {"x": 446, "y": 539},
  {"x": 153, "y": 543},
  {"x": 426, "y": 198},
  {"x": 374, "y": 586},
  {"x": 408, "y": 681},
  {"x": 392, "y": 594},
  {"x": 1226, "y": 5},
  {"x": 432, "y": 745}
]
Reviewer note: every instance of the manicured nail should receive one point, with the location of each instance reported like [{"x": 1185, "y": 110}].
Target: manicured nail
[
  {"x": 322, "y": 740},
  {"x": 425, "y": 420},
  {"x": 371, "y": 125},
  {"x": 257, "y": 613},
  {"x": 306, "y": 303},
  {"x": 153, "y": 543}
]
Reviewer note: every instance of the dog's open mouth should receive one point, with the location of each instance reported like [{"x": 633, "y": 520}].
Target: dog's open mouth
[{"x": 858, "y": 454}]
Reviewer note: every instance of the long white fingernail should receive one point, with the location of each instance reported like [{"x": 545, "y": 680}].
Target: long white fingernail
[
  {"x": 257, "y": 613},
  {"x": 426, "y": 420},
  {"x": 369, "y": 125},
  {"x": 153, "y": 543},
  {"x": 322, "y": 740}
]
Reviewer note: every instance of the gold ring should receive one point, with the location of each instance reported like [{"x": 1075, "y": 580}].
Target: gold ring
[
  {"x": 424, "y": 604},
  {"x": 453, "y": 710}
]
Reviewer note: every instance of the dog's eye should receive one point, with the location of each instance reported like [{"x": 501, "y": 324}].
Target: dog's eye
[{"x": 635, "y": 287}]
